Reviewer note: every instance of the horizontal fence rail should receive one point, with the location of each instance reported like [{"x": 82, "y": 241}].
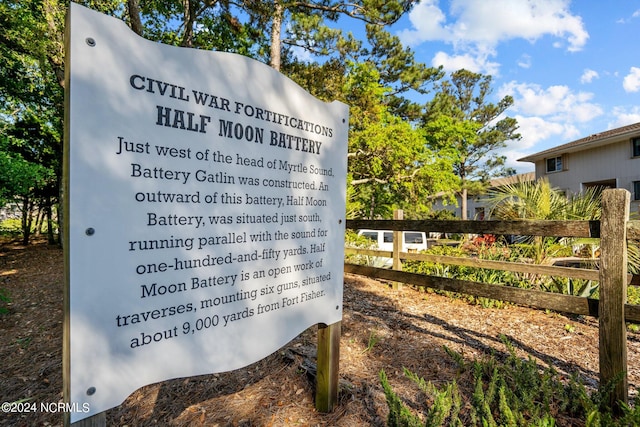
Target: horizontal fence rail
[
  {"x": 611, "y": 307},
  {"x": 515, "y": 267},
  {"x": 525, "y": 228},
  {"x": 529, "y": 297}
]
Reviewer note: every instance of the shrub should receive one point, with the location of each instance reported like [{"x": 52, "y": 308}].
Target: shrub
[
  {"x": 4, "y": 301},
  {"x": 515, "y": 392},
  {"x": 11, "y": 226}
]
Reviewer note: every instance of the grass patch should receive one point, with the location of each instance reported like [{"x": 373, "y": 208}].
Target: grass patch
[{"x": 515, "y": 392}]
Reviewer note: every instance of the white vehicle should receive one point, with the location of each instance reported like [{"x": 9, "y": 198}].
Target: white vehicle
[{"x": 412, "y": 241}]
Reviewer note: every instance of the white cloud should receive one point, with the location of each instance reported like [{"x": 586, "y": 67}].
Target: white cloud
[
  {"x": 631, "y": 82},
  {"x": 536, "y": 129},
  {"x": 588, "y": 76},
  {"x": 533, "y": 131},
  {"x": 524, "y": 61},
  {"x": 556, "y": 103},
  {"x": 484, "y": 24},
  {"x": 428, "y": 23},
  {"x": 635, "y": 14},
  {"x": 477, "y": 64},
  {"x": 511, "y": 161},
  {"x": 624, "y": 116},
  {"x": 546, "y": 116}
]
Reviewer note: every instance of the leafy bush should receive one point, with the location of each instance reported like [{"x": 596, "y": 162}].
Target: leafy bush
[
  {"x": 478, "y": 249},
  {"x": 515, "y": 392},
  {"x": 11, "y": 226}
]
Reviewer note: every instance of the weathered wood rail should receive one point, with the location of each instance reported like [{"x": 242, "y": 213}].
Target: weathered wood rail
[{"x": 612, "y": 310}]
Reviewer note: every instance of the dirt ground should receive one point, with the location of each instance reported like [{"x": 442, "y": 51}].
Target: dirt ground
[{"x": 382, "y": 328}]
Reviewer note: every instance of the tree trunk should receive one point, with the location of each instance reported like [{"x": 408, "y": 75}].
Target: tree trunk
[
  {"x": 49, "y": 214},
  {"x": 189, "y": 20},
  {"x": 463, "y": 203},
  {"x": 37, "y": 230},
  {"x": 134, "y": 16},
  {"x": 278, "y": 16},
  {"x": 26, "y": 220}
]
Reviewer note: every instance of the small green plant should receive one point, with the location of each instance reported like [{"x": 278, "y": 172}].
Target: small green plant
[
  {"x": 4, "y": 301},
  {"x": 457, "y": 357},
  {"x": 373, "y": 340},
  {"x": 399, "y": 414},
  {"x": 513, "y": 392},
  {"x": 23, "y": 342}
]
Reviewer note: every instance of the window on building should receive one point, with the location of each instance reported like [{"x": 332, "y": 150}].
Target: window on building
[
  {"x": 635, "y": 147},
  {"x": 554, "y": 164},
  {"x": 636, "y": 190}
]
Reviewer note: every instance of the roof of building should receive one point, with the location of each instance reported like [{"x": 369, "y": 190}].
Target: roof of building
[{"x": 591, "y": 141}]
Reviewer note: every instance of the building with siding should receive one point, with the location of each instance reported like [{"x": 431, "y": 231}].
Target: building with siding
[{"x": 609, "y": 159}]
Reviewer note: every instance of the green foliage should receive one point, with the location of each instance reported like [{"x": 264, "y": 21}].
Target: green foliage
[
  {"x": 513, "y": 392},
  {"x": 495, "y": 252},
  {"x": 399, "y": 414},
  {"x": 13, "y": 227},
  {"x": 538, "y": 200},
  {"x": 446, "y": 401},
  {"x": 461, "y": 125},
  {"x": 31, "y": 107},
  {"x": 633, "y": 295},
  {"x": 20, "y": 177},
  {"x": 389, "y": 165},
  {"x": 10, "y": 226},
  {"x": 527, "y": 200},
  {"x": 373, "y": 340},
  {"x": 5, "y": 299}
]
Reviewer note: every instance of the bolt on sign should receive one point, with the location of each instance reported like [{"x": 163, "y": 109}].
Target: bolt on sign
[{"x": 206, "y": 208}]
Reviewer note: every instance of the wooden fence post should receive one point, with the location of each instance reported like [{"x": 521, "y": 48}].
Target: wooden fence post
[
  {"x": 328, "y": 363},
  {"x": 613, "y": 296},
  {"x": 398, "y": 214},
  {"x": 98, "y": 420}
]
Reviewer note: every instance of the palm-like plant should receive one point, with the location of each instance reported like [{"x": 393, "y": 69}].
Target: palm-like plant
[{"x": 538, "y": 200}]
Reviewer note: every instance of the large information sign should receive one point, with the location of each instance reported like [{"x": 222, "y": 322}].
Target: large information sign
[{"x": 206, "y": 203}]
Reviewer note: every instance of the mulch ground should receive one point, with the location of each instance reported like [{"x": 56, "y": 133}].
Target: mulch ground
[{"x": 382, "y": 329}]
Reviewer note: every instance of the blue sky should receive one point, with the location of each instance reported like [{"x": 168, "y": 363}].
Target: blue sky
[{"x": 572, "y": 67}]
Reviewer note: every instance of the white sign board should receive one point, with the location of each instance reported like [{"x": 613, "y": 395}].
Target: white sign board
[{"x": 206, "y": 211}]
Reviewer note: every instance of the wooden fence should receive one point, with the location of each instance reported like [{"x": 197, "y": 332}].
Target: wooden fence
[{"x": 612, "y": 310}]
